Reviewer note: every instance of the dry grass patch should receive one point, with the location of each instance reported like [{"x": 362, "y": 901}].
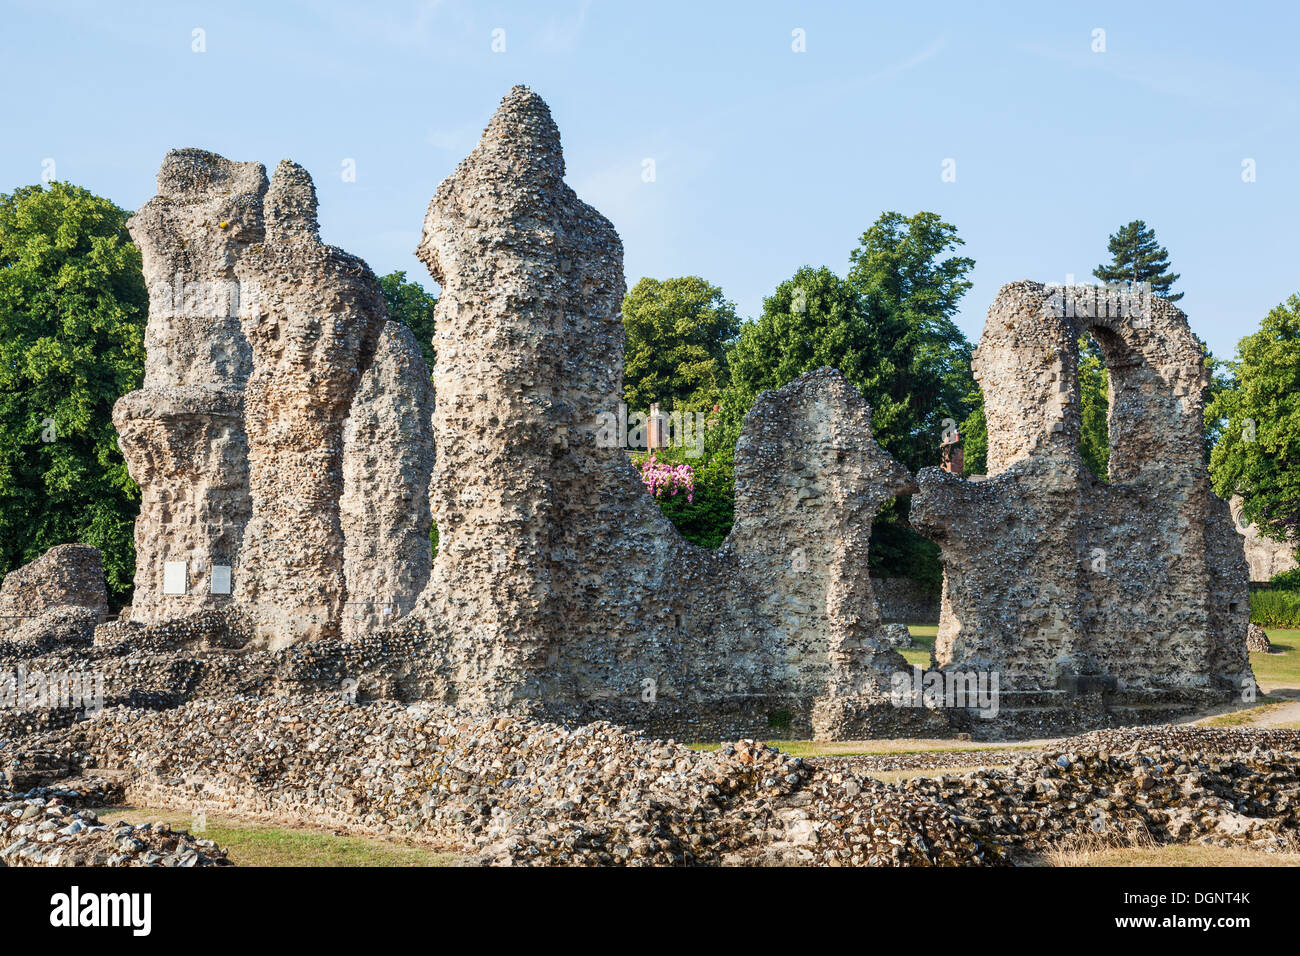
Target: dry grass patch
[
  {"x": 1174, "y": 854},
  {"x": 1245, "y": 716}
]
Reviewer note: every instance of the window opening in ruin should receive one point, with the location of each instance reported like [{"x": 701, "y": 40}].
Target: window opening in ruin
[{"x": 1094, "y": 407}]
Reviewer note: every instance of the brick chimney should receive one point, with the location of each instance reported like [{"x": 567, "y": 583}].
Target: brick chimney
[
  {"x": 951, "y": 458},
  {"x": 654, "y": 432}
]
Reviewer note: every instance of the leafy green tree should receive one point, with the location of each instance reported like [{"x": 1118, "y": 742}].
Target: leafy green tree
[
  {"x": 73, "y": 307},
  {"x": 678, "y": 331},
  {"x": 888, "y": 328},
  {"x": 1094, "y": 408},
  {"x": 409, "y": 304},
  {"x": 920, "y": 373},
  {"x": 811, "y": 320},
  {"x": 975, "y": 439},
  {"x": 1136, "y": 256},
  {"x": 1222, "y": 379},
  {"x": 1258, "y": 453}
]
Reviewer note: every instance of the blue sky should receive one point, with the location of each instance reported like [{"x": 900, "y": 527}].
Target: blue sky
[{"x": 765, "y": 159}]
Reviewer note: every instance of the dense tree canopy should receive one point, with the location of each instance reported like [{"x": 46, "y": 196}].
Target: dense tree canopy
[
  {"x": 409, "y": 304},
  {"x": 73, "y": 307},
  {"x": 887, "y": 327},
  {"x": 1258, "y": 453},
  {"x": 911, "y": 289},
  {"x": 1094, "y": 408},
  {"x": 1137, "y": 257},
  {"x": 811, "y": 320},
  {"x": 678, "y": 331}
]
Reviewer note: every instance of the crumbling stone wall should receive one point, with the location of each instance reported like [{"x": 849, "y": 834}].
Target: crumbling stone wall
[
  {"x": 904, "y": 600},
  {"x": 1265, "y": 557},
  {"x": 561, "y": 586},
  {"x": 1132, "y": 589},
  {"x": 312, "y": 315},
  {"x": 182, "y": 433},
  {"x": 67, "y": 575},
  {"x": 387, "y": 464},
  {"x": 560, "y": 590},
  {"x": 257, "y": 336}
]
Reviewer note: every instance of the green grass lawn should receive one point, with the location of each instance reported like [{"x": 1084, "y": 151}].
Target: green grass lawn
[
  {"x": 1247, "y": 716},
  {"x": 257, "y": 844},
  {"x": 923, "y": 637},
  {"x": 1279, "y": 672}
]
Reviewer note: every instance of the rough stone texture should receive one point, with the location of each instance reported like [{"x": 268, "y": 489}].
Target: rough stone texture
[
  {"x": 182, "y": 433},
  {"x": 68, "y": 625},
  {"x": 67, "y": 575},
  {"x": 898, "y": 635},
  {"x": 905, "y": 601},
  {"x": 1265, "y": 557},
  {"x": 503, "y": 789},
  {"x": 1133, "y": 592},
  {"x": 387, "y": 463},
  {"x": 54, "y": 827},
  {"x": 257, "y": 330},
  {"x": 560, "y": 586},
  {"x": 312, "y": 315},
  {"x": 1257, "y": 640},
  {"x": 560, "y": 590}
]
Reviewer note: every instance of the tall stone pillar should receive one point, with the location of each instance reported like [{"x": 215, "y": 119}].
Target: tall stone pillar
[
  {"x": 312, "y": 314},
  {"x": 387, "y": 463},
  {"x": 182, "y": 433}
]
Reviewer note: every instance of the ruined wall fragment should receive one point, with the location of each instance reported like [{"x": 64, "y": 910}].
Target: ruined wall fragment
[
  {"x": 562, "y": 587},
  {"x": 387, "y": 464},
  {"x": 1266, "y": 558},
  {"x": 311, "y": 314},
  {"x": 1060, "y": 582},
  {"x": 182, "y": 432},
  {"x": 66, "y": 576}
]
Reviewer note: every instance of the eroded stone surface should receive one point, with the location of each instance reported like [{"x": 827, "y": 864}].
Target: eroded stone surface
[
  {"x": 561, "y": 586},
  {"x": 560, "y": 590},
  {"x": 258, "y": 334},
  {"x": 1063, "y": 583},
  {"x": 1257, "y": 640},
  {"x": 66, "y": 576},
  {"x": 311, "y": 314},
  {"x": 504, "y": 789},
  {"x": 1265, "y": 557},
  {"x": 182, "y": 433},
  {"x": 387, "y": 463}
]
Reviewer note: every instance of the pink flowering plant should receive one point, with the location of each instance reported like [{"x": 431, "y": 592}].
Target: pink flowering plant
[{"x": 664, "y": 479}]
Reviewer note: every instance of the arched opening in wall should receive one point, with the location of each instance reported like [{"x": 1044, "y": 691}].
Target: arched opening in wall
[
  {"x": 1094, "y": 406},
  {"x": 1132, "y": 390}
]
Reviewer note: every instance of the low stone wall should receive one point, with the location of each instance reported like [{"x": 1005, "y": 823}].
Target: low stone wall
[
  {"x": 67, "y": 575},
  {"x": 510, "y": 790}
]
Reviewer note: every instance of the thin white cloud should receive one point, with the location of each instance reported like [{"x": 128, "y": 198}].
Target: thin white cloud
[{"x": 564, "y": 37}]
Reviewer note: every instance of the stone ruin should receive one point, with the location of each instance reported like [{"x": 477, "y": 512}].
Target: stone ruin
[
  {"x": 261, "y": 347},
  {"x": 1126, "y": 596},
  {"x": 1265, "y": 557},
  {"x": 560, "y": 586},
  {"x": 66, "y": 579},
  {"x": 284, "y": 440}
]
